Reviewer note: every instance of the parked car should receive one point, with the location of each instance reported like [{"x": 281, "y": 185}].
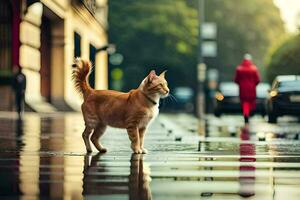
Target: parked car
[
  {"x": 284, "y": 97},
  {"x": 261, "y": 97},
  {"x": 184, "y": 97},
  {"x": 227, "y": 99}
]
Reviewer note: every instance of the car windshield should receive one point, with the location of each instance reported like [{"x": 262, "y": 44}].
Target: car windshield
[
  {"x": 289, "y": 85},
  {"x": 262, "y": 90},
  {"x": 184, "y": 93},
  {"x": 230, "y": 89}
]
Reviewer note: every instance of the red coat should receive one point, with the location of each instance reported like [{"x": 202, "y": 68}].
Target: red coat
[{"x": 247, "y": 77}]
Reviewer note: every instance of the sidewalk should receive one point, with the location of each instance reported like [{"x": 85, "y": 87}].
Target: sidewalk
[{"x": 46, "y": 158}]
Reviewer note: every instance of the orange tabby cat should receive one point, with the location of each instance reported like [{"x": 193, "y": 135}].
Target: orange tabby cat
[{"x": 133, "y": 110}]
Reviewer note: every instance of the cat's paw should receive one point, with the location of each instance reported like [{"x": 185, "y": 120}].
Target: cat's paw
[
  {"x": 102, "y": 150},
  {"x": 138, "y": 151},
  {"x": 144, "y": 151}
]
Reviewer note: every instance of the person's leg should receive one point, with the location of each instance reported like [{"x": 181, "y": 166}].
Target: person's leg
[
  {"x": 22, "y": 104},
  {"x": 20, "y": 98},
  {"x": 18, "y": 104}
]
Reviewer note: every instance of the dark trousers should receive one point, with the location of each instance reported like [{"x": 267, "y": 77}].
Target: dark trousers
[{"x": 20, "y": 102}]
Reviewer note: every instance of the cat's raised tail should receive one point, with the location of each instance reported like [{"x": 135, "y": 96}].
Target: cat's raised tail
[{"x": 81, "y": 72}]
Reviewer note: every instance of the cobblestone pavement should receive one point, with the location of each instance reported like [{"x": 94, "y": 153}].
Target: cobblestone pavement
[{"x": 44, "y": 157}]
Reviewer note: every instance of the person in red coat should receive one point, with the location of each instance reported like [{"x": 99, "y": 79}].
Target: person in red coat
[{"x": 247, "y": 77}]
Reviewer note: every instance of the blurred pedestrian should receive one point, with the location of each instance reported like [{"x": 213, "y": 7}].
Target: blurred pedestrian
[
  {"x": 19, "y": 86},
  {"x": 247, "y": 77}
]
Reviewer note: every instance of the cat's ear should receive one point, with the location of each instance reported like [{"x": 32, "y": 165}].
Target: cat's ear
[
  {"x": 163, "y": 74},
  {"x": 151, "y": 76}
]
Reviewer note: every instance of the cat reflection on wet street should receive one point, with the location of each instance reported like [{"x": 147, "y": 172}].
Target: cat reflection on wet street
[
  {"x": 139, "y": 179},
  {"x": 98, "y": 179}
]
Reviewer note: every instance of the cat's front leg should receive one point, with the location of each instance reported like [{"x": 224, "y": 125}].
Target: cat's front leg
[
  {"x": 134, "y": 137},
  {"x": 142, "y": 132}
]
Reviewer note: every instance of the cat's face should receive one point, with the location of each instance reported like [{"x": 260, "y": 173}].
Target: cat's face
[{"x": 157, "y": 84}]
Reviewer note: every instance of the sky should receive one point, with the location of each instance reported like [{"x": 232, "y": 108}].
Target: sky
[{"x": 289, "y": 10}]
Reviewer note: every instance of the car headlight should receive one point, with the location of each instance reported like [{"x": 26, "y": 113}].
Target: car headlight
[
  {"x": 219, "y": 96},
  {"x": 273, "y": 93}
]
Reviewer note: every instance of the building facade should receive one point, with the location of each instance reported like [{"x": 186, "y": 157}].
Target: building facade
[{"x": 43, "y": 37}]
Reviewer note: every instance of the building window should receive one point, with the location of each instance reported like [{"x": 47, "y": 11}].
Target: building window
[
  {"x": 93, "y": 61},
  {"x": 77, "y": 45},
  {"x": 5, "y": 36}
]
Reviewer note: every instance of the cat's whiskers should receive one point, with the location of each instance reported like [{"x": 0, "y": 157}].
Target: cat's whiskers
[{"x": 172, "y": 97}]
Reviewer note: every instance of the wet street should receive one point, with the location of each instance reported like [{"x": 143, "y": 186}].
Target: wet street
[{"x": 43, "y": 157}]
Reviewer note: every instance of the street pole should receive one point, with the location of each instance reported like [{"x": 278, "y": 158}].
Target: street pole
[
  {"x": 201, "y": 70},
  {"x": 201, "y": 67}
]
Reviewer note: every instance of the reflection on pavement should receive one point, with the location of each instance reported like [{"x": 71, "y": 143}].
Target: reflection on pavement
[
  {"x": 98, "y": 178},
  {"x": 247, "y": 172},
  {"x": 139, "y": 179},
  {"x": 44, "y": 157}
]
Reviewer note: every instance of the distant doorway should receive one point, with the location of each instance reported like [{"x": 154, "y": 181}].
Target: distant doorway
[
  {"x": 5, "y": 36},
  {"x": 93, "y": 60},
  {"x": 45, "y": 70}
]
